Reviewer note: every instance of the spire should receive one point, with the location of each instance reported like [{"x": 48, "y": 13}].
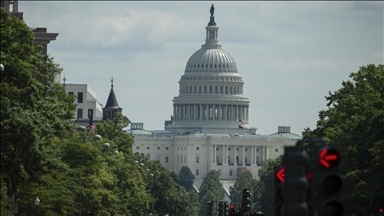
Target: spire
[
  {"x": 112, "y": 100},
  {"x": 211, "y": 40},
  {"x": 112, "y": 84},
  {"x": 64, "y": 79}
]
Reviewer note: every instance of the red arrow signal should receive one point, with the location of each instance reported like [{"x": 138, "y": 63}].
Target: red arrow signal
[
  {"x": 280, "y": 174},
  {"x": 329, "y": 157}
]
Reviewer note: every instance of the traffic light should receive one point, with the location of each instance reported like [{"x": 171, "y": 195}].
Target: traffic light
[
  {"x": 380, "y": 212},
  {"x": 232, "y": 209},
  {"x": 278, "y": 195},
  {"x": 295, "y": 186},
  {"x": 328, "y": 182},
  {"x": 226, "y": 209},
  {"x": 209, "y": 208},
  {"x": 221, "y": 208},
  {"x": 246, "y": 200}
]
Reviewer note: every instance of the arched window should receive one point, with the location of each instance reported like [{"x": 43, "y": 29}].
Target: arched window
[
  {"x": 221, "y": 89},
  {"x": 200, "y": 89},
  {"x": 205, "y": 89},
  {"x": 195, "y": 89},
  {"x": 149, "y": 156},
  {"x": 216, "y": 90}
]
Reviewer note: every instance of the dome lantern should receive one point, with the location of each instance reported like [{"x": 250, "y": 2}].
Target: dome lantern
[{"x": 212, "y": 31}]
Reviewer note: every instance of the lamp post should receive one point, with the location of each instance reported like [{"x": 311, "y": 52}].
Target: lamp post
[
  {"x": 37, "y": 202},
  {"x": 1, "y": 67}
]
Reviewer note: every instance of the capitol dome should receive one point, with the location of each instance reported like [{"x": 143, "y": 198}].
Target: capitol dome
[
  {"x": 210, "y": 96},
  {"x": 211, "y": 60}
]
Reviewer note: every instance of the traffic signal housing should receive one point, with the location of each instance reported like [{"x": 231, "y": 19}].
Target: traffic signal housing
[
  {"x": 295, "y": 186},
  {"x": 226, "y": 209},
  {"x": 246, "y": 200},
  {"x": 232, "y": 209},
  {"x": 328, "y": 182},
  {"x": 278, "y": 195},
  {"x": 221, "y": 208},
  {"x": 209, "y": 208}
]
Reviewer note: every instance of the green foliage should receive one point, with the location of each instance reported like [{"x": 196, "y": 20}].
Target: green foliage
[
  {"x": 194, "y": 204},
  {"x": 354, "y": 123},
  {"x": 186, "y": 178},
  {"x": 245, "y": 181},
  {"x": 210, "y": 190},
  {"x": 263, "y": 195}
]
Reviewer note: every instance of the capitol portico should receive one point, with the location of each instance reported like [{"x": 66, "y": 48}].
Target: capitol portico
[{"x": 210, "y": 127}]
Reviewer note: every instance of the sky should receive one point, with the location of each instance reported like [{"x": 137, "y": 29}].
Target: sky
[{"x": 290, "y": 54}]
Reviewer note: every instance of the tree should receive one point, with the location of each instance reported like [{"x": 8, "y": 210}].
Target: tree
[
  {"x": 210, "y": 190},
  {"x": 186, "y": 178},
  {"x": 245, "y": 181},
  {"x": 263, "y": 195},
  {"x": 34, "y": 109},
  {"x": 354, "y": 123},
  {"x": 194, "y": 204}
]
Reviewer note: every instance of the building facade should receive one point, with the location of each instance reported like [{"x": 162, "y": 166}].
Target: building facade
[
  {"x": 86, "y": 103},
  {"x": 209, "y": 128}
]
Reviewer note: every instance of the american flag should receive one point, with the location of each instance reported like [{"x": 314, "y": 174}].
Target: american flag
[
  {"x": 91, "y": 124},
  {"x": 241, "y": 122}
]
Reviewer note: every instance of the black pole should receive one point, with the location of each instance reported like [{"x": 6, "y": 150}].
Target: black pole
[{"x": 37, "y": 209}]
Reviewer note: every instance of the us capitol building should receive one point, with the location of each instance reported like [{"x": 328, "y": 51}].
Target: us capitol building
[{"x": 209, "y": 126}]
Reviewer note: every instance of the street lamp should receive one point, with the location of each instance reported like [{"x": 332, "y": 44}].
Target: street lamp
[
  {"x": 1, "y": 67},
  {"x": 37, "y": 202}
]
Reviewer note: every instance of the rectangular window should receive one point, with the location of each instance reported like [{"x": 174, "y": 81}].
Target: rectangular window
[
  {"x": 178, "y": 160},
  {"x": 221, "y": 89},
  {"x": 210, "y": 89},
  {"x": 197, "y": 159},
  {"x": 257, "y": 149},
  {"x": 90, "y": 113},
  {"x": 137, "y": 147},
  {"x": 197, "y": 172},
  {"x": 197, "y": 148},
  {"x": 79, "y": 97},
  {"x": 216, "y": 90},
  {"x": 200, "y": 89},
  {"x": 166, "y": 148},
  {"x": 230, "y": 172},
  {"x": 158, "y": 148},
  {"x": 79, "y": 113},
  {"x": 276, "y": 150},
  {"x": 158, "y": 158},
  {"x": 70, "y": 93},
  {"x": 166, "y": 159}
]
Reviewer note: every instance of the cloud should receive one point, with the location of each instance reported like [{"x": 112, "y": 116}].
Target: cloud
[
  {"x": 379, "y": 55},
  {"x": 302, "y": 65}
]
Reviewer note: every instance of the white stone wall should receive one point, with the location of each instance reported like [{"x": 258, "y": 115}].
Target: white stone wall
[
  {"x": 89, "y": 100},
  {"x": 183, "y": 150}
]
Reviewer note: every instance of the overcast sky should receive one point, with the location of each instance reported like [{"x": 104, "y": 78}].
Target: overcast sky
[{"x": 290, "y": 54}]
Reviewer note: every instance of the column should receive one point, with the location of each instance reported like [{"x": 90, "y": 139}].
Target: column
[
  {"x": 195, "y": 112},
  {"x": 219, "y": 112},
  {"x": 252, "y": 155},
  {"x": 214, "y": 153},
  {"x": 234, "y": 148},
  {"x": 225, "y": 115},
  {"x": 223, "y": 154},
  {"x": 188, "y": 112},
  {"x": 213, "y": 112},
  {"x": 247, "y": 113},
  {"x": 179, "y": 112},
  {"x": 233, "y": 113},
  {"x": 226, "y": 154},
  {"x": 201, "y": 112},
  {"x": 243, "y": 155},
  {"x": 174, "y": 112}
]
